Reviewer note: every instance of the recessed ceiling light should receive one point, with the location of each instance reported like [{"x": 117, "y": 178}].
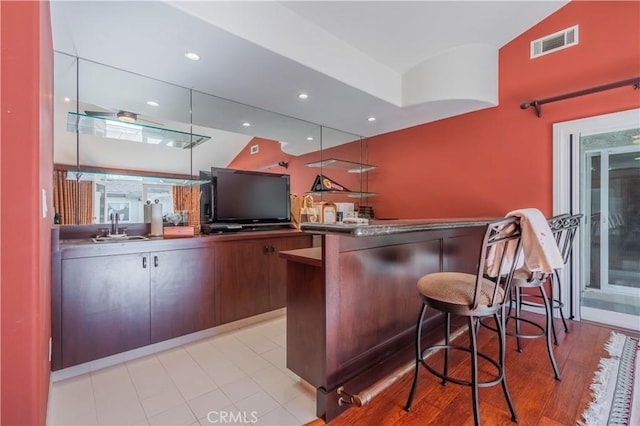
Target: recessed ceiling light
[
  {"x": 127, "y": 117},
  {"x": 67, "y": 99},
  {"x": 371, "y": 119},
  {"x": 303, "y": 96},
  {"x": 192, "y": 56},
  {"x": 153, "y": 103},
  {"x": 246, "y": 124},
  {"x": 309, "y": 138}
]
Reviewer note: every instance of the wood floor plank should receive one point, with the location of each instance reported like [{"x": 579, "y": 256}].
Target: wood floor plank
[
  {"x": 545, "y": 421},
  {"x": 566, "y": 397}
]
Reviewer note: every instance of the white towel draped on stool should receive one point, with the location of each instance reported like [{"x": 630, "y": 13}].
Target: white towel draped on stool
[
  {"x": 507, "y": 250},
  {"x": 540, "y": 250}
]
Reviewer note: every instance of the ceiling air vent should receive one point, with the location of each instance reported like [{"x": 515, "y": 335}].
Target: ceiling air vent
[{"x": 554, "y": 42}]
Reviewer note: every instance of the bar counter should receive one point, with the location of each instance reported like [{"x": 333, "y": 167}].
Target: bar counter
[
  {"x": 389, "y": 227},
  {"x": 352, "y": 303}
]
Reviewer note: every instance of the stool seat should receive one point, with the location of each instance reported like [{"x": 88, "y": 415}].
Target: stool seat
[{"x": 457, "y": 288}]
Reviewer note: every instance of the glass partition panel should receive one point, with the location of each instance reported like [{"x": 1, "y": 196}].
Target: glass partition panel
[
  {"x": 123, "y": 139},
  {"x": 116, "y": 115},
  {"x": 120, "y": 125},
  {"x": 342, "y": 170},
  {"x": 295, "y": 136},
  {"x": 254, "y": 139},
  {"x": 65, "y": 95}
]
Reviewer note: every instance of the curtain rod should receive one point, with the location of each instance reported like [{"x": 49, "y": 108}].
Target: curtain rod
[{"x": 537, "y": 104}]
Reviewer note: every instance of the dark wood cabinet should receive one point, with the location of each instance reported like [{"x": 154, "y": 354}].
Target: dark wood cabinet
[
  {"x": 111, "y": 304},
  {"x": 182, "y": 292},
  {"x": 278, "y": 268},
  {"x": 105, "y": 306},
  {"x": 242, "y": 273},
  {"x": 251, "y": 276},
  {"x": 111, "y": 298}
]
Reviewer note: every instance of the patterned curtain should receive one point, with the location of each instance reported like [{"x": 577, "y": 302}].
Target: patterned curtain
[
  {"x": 186, "y": 198},
  {"x": 65, "y": 195}
]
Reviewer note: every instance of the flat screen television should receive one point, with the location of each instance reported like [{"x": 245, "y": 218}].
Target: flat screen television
[{"x": 247, "y": 197}]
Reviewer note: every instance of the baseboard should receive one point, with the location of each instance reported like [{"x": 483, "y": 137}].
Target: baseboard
[{"x": 120, "y": 358}]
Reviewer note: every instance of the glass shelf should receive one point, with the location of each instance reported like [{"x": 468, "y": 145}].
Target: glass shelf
[
  {"x": 349, "y": 166},
  {"x": 113, "y": 128},
  {"x": 101, "y": 177},
  {"x": 349, "y": 194}
]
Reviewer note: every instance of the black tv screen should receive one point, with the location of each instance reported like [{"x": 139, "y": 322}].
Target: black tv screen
[{"x": 240, "y": 196}]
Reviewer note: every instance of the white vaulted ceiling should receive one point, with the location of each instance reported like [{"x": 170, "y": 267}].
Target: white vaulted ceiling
[{"x": 405, "y": 63}]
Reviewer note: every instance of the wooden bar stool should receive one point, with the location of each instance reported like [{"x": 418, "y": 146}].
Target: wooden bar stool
[{"x": 473, "y": 295}]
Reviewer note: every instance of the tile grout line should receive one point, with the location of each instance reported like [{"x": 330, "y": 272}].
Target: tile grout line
[{"x": 136, "y": 389}]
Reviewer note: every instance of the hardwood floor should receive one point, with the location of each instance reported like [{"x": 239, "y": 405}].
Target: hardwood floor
[{"x": 539, "y": 399}]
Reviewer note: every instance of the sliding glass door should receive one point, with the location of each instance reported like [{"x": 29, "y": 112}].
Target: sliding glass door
[
  {"x": 597, "y": 173},
  {"x": 611, "y": 193}
]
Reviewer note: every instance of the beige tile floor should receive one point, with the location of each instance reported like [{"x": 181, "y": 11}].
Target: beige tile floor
[{"x": 238, "y": 377}]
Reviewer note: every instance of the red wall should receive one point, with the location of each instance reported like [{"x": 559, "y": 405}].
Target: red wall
[
  {"x": 495, "y": 160},
  {"x": 25, "y": 247},
  {"x": 488, "y": 162}
]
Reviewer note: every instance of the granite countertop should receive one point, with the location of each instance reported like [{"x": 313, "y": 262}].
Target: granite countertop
[
  {"x": 85, "y": 247},
  {"x": 389, "y": 227}
]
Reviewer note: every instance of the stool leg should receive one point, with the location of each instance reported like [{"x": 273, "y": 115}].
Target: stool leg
[
  {"x": 418, "y": 356},
  {"x": 564, "y": 321},
  {"x": 447, "y": 331},
  {"x": 474, "y": 371},
  {"x": 552, "y": 281},
  {"x": 549, "y": 312},
  {"x": 500, "y": 326},
  {"x": 518, "y": 313}
]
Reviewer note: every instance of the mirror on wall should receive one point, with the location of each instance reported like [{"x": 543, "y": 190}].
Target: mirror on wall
[
  {"x": 122, "y": 139},
  {"x": 108, "y": 125},
  {"x": 343, "y": 170},
  {"x": 132, "y": 122}
]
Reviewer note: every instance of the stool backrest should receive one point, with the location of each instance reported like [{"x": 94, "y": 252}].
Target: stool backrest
[
  {"x": 500, "y": 254},
  {"x": 564, "y": 228}
]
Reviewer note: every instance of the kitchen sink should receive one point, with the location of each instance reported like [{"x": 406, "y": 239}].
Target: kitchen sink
[{"x": 119, "y": 238}]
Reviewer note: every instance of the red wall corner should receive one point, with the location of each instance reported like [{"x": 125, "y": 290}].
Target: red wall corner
[{"x": 26, "y": 158}]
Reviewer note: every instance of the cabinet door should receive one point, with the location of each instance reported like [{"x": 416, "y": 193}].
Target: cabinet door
[
  {"x": 242, "y": 276},
  {"x": 182, "y": 292},
  {"x": 278, "y": 268},
  {"x": 105, "y": 306}
]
